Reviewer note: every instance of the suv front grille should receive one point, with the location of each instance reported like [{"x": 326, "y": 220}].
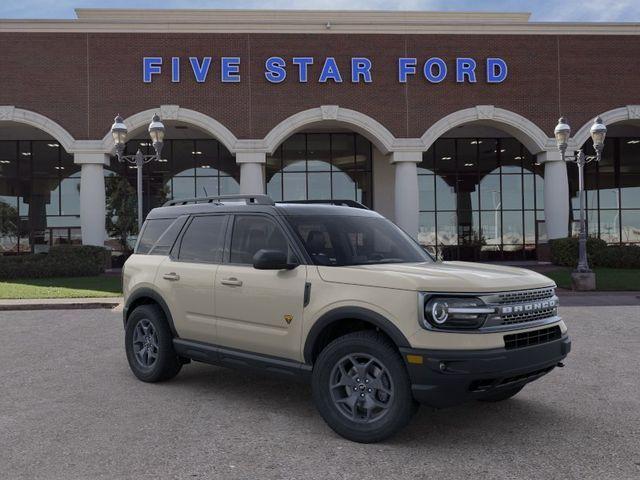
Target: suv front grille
[
  {"x": 528, "y": 317},
  {"x": 535, "y": 337},
  {"x": 525, "y": 296}
]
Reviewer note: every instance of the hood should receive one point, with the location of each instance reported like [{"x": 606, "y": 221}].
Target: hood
[{"x": 451, "y": 277}]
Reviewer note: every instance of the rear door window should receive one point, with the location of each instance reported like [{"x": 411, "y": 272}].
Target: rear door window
[
  {"x": 152, "y": 231},
  {"x": 203, "y": 241}
]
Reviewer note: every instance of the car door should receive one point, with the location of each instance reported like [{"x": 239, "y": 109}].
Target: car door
[
  {"x": 259, "y": 310},
  {"x": 187, "y": 277}
]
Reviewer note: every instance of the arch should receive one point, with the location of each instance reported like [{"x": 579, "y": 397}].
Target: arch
[
  {"x": 9, "y": 113},
  {"x": 373, "y": 130},
  {"x": 621, "y": 114},
  {"x": 527, "y": 132},
  {"x": 177, "y": 113}
]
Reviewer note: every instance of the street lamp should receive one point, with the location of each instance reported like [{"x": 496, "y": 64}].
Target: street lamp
[
  {"x": 598, "y": 132},
  {"x": 119, "y": 133}
]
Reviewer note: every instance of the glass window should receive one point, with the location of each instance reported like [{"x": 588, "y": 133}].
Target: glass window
[
  {"x": 320, "y": 186},
  {"x": 151, "y": 233},
  {"x": 319, "y": 152},
  {"x": 427, "y": 191},
  {"x": 512, "y": 192},
  {"x": 163, "y": 245},
  {"x": 294, "y": 153},
  {"x": 340, "y": 240},
  {"x": 630, "y": 226},
  {"x": 183, "y": 153},
  {"x": 203, "y": 240},
  {"x": 252, "y": 233},
  {"x": 343, "y": 151}
]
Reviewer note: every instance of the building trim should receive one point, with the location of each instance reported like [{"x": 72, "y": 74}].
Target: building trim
[
  {"x": 177, "y": 113},
  {"x": 621, "y": 114},
  {"x": 373, "y": 130},
  {"x": 10, "y": 113},
  {"x": 308, "y": 21},
  {"x": 527, "y": 132}
]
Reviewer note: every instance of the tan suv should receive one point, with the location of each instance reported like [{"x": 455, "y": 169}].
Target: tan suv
[{"x": 335, "y": 294}]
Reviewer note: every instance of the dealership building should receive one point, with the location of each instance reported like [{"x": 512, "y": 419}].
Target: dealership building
[{"x": 442, "y": 122}]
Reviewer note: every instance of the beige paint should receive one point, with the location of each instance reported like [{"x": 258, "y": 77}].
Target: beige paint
[{"x": 251, "y": 316}]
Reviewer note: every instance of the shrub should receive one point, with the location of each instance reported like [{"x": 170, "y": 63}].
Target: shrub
[
  {"x": 61, "y": 261},
  {"x": 564, "y": 252}
]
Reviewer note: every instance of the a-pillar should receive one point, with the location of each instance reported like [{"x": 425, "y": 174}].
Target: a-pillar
[
  {"x": 251, "y": 172},
  {"x": 556, "y": 194},
  {"x": 406, "y": 190},
  {"x": 92, "y": 196}
]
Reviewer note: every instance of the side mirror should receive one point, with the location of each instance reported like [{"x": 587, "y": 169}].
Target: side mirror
[{"x": 272, "y": 260}]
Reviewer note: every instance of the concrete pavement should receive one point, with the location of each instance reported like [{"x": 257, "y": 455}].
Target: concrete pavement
[{"x": 70, "y": 409}]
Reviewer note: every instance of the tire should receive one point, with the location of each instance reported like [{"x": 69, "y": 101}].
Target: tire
[
  {"x": 149, "y": 345},
  {"x": 501, "y": 395},
  {"x": 371, "y": 395}
]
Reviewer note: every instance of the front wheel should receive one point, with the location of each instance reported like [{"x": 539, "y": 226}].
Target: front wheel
[
  {"x": 149, "y": 345},
  {"x": 361, "y": 387}
]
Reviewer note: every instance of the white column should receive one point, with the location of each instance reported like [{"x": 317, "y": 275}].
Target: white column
[
  {"x": 556, "y": 194},
  {"x": 251, "y": 171},
  {"x": 92, "y": 197},
  {"x": 406, "y": 190}
]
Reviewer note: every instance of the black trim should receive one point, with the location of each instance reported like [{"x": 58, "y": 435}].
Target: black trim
[
  {"x": 228, "y": 357},
  {"x": 307, "y": 294},
  {"x": 157, "y": 298},
  {"x": 351, "y": 313},
  {"x": 449, "y": 377}
]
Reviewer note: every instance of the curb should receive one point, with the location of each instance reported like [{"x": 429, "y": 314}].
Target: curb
[{"x": 62, "y": 304}]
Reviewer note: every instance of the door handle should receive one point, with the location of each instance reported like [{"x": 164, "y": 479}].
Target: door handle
[
  {"x": 231, "y": 281},
  {"x": 173, "y": 276}
]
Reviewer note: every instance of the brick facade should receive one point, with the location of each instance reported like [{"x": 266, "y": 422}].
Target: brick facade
[{"x": 80, "y": 80}]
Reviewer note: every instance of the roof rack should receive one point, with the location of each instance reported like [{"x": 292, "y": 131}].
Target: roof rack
[
  {"x": 342, "y": 203},
  {"x": 219, "y": 199}
]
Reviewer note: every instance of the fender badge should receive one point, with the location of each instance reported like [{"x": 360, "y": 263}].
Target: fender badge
[{"x": 288, "y": 318}]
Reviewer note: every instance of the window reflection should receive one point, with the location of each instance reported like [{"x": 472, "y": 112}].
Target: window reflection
[
  {"x": 321, "y": 166},
  {"x": 477, "y": 201}
]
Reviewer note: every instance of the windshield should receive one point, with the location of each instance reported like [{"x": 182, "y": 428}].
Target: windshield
[{"x": 338, "y": 240}]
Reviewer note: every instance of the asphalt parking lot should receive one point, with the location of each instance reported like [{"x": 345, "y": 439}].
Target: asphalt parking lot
[{"x": 70, "y": 408}]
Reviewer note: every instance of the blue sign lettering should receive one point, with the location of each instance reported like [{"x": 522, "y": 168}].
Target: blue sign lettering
[
  {"x": 496, "y": 70},
  {"x": 330, "y": 71},
  {"x": 275, "y": 67},
  {"x": 303, "y": 67},
  {"x": 434, "y": 69},
  {"x": 428, "y": 70},
  {"x": 360, "y": 67},
  {"x": 151, "y": 66},
  {"x": 230, "y": 69},
  {"x": 465, "y": 67},
  {"x": 406, "y": 66},
  {"x": 200, "y": 70}
]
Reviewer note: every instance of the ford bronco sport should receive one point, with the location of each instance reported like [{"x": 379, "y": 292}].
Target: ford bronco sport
[{"x": 337, "y": 295}]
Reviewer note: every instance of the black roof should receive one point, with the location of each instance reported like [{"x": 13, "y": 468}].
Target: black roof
[{"x": 238, "y": 204}]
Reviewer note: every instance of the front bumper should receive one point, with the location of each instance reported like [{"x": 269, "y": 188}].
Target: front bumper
[{"x": 450, "y": 377}]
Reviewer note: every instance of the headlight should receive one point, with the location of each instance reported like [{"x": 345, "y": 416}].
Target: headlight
[{"x": 455, "y": 312}]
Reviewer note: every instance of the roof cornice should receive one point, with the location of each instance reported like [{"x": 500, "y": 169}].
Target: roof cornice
[{"x": 307, "y": 21}]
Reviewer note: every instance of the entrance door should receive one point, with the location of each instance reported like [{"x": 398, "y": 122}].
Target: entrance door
[
  {"x": 187, "y": 278},
  {"x": 259, "y": 310}
]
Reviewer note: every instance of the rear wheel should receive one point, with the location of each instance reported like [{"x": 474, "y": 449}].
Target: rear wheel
[
  {"x": 149, "y": 345},
  {"x": 361, "y": 387},
  {"x": 501, "y": 395}
]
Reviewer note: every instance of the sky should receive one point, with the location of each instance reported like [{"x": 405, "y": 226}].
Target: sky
[{"x": 542, "y": 10}]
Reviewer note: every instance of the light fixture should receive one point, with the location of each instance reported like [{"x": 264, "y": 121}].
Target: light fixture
[
  {"x": 468, "y": 164},
  {"x": 26, "y": 154},
  {"x": 119, "y": 133},
  {"x": 53, "y": 145},
  {"x": 502, "y": 150},
  {"x": 476, "y": 142},
  {"x": 205, "y": 166},
  {"x": 446, "y": 158},
  {"x": 5, "y": 161},
  {"x": 517, "y": 158},
  {"x": 197, "y": 152},
  {"x": 58, "y": 168},
  {"x": 598, "y": 132},
  {"x": 562, "y": 133},
  {"x": 156, "y": 132},
  {"x": 632, "y": 142}
]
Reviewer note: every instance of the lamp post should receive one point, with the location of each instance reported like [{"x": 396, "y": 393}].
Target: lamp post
[
  {"x": 583, "y": 278},
  {"x": 119, "y": 133}
]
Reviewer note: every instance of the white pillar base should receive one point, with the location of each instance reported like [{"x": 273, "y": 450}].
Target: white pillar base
[
  {"x": 406, "y": 191},
  {"x": 92, "y": 197},
  {"x": 556, "y": 195},
  {"x": 251, "y": 172}
]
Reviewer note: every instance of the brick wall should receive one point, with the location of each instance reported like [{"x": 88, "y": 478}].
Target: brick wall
[{"x": 82, "y": 80}]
